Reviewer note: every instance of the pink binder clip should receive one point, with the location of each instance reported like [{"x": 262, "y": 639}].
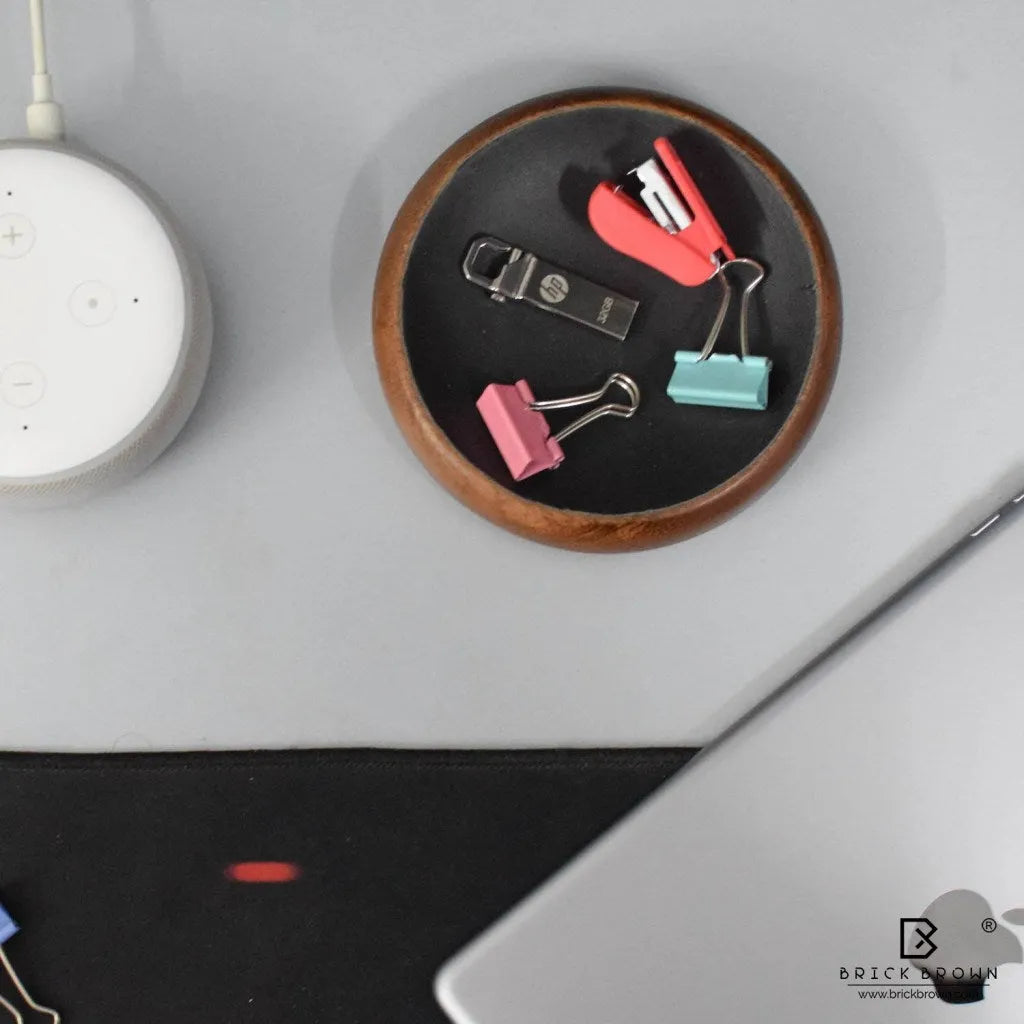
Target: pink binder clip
[{"x": 520, "y": 430}]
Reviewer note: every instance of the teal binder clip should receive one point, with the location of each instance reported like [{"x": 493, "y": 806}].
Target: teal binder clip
[{"x": 726, "y": 381}]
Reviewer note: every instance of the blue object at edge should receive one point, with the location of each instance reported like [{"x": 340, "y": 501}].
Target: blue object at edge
[
  {"x": 8, "y": 927},
  {"x": 725, "y": 381}
]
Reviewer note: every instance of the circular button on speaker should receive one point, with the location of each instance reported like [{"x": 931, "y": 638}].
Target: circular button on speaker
[
  {"x": 17, "y": 236},
  {"x": 22, "y": 384},
  {"x": 93, "y": 303}
]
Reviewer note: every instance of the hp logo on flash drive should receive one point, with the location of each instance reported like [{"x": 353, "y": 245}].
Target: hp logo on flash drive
[{"x": 554, "y": 288}]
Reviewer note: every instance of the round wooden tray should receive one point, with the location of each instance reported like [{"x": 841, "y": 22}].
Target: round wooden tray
[{"x": 525, "y": 176}]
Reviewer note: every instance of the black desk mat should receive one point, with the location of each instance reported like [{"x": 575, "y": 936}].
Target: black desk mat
[{"x": 114, "y": 865}]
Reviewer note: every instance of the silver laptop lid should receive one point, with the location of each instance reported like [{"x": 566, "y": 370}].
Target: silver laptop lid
[{"x": 806, "y": 867}]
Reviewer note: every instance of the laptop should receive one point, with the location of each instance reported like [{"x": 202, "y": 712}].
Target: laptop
[{"x": 852, "y": 852}]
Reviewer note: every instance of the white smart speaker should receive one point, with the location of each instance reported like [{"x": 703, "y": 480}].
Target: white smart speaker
[{"x": 105, "y": 322}]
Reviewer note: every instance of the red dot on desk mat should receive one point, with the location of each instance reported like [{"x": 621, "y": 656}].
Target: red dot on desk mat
[{"x": 263, "y": 871}]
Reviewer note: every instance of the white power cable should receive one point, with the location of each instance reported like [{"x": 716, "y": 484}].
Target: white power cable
[
  {"x": 38, "y": 36},
  {"x": 45, "y": 117}
]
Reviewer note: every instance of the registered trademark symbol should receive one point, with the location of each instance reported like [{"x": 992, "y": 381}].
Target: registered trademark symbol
[{"x": 989, "y": 925}]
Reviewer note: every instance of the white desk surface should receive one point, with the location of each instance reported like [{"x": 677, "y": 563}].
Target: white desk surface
[{"x": 289, "y": 575}]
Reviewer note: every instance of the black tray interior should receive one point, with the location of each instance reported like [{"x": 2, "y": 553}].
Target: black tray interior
[{"x": 530, "y": 187}]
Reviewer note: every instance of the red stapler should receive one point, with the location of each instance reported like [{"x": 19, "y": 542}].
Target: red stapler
[
  {"x": 669, "y": 226},
  {"x": 676, "y": 233}
]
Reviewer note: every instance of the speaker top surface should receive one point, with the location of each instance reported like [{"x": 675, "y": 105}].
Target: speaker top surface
[{"x": 97, "y": 316}]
